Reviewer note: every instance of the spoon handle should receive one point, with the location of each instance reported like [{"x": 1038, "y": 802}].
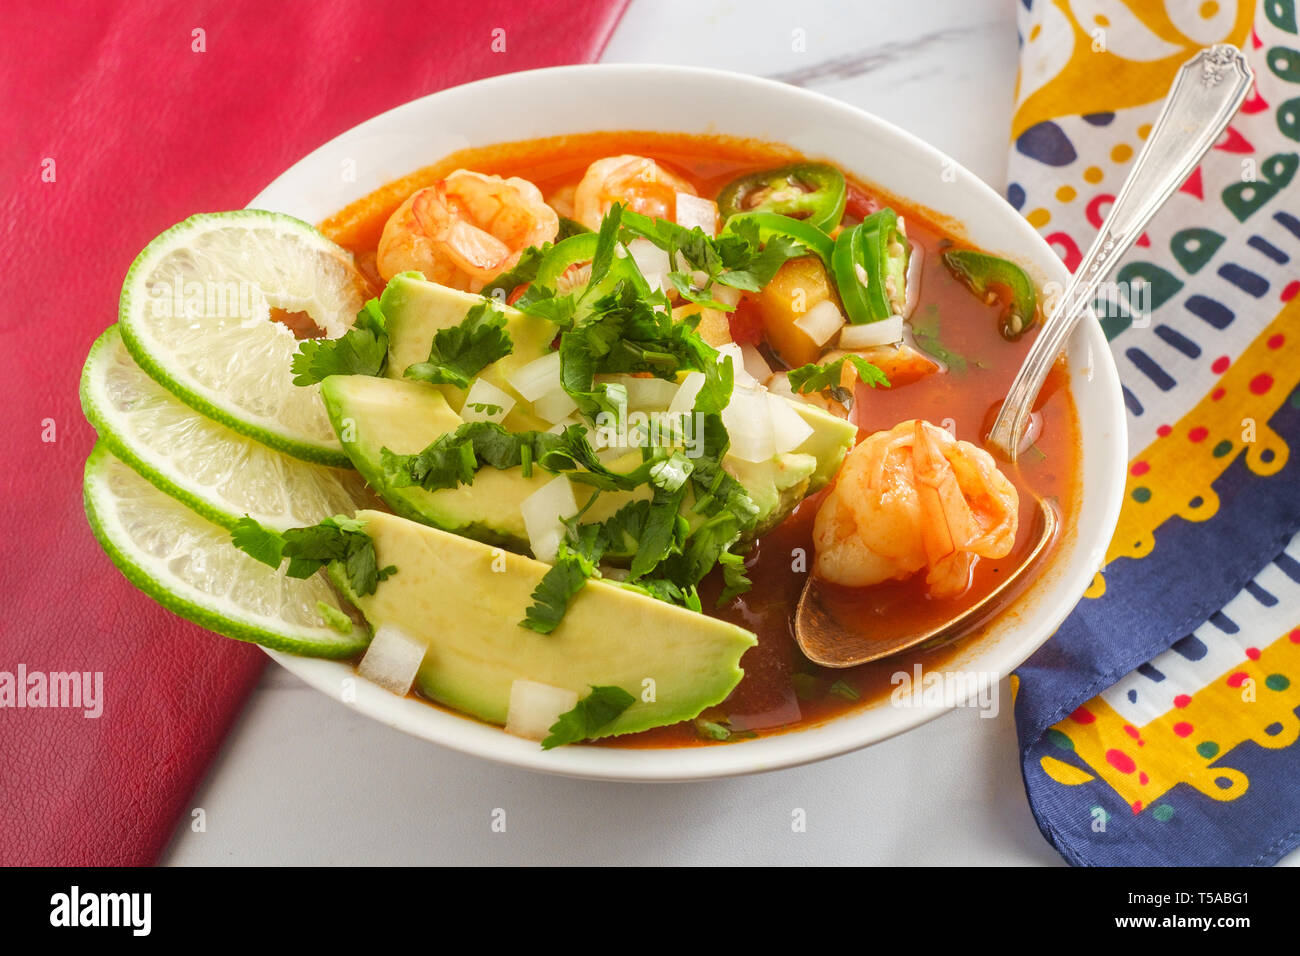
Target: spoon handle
[{"x": 1205, "y": 95}]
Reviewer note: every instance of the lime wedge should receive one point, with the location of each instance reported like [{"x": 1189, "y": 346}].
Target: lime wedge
[
  {"x": 187, "y": 564},
  {"x": 215, "y": 471},
  {"x": 196, "y": 315}
]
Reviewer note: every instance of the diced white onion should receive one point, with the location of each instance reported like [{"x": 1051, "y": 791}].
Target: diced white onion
[
  {"x": 755, "y": 364},
  {"x": 913, "y": 292},
  {"x": 684, "y": 400},
  {"x": 868, "y": 334},
  {"x": 392, "y": 659},
  {"x": 556, "y": 405},
  {"x": 789, "y": 430},
  {"x": 726, "y": 295},
  {"x": 483, "y": 392},
  {"x": 534, "y": 708},
  {"x": 543, "y": 512},
  {"x": 651, "y": 261},
  {"x": 748, "y": 418},
  {"x": 740, "y": 374},
  {"x": 821, "y": 322},
  {"x": 538, "y": 377},
  {"x": 693, "y": 211},
  {"x": 646, "y": 394}
]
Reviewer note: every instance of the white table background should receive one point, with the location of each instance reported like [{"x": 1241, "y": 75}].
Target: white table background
[{"x": 304, "y": 780}]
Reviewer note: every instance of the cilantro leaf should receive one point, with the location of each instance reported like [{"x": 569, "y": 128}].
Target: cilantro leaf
[
  {"x": 452, "y": 459},
  {"x": 362, "y": 350},
  {"x": 261, "y": 544},
  {"x": 309, "y": 549},
  {"x": 524, "y": 272},
  {"x": 734, "y": 579},
  {"x": 557, "y": 588},
  {"x": 462, "y": 351},
  {"x": 817, "y": 378},
  {"x": 592, "y": 714}
]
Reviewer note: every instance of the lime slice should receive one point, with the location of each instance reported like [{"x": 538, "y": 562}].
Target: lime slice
[
  {"x": 187, "y": 564},
  {"x": 196, "y": 315},
  {"x": 215, "y": 471}
]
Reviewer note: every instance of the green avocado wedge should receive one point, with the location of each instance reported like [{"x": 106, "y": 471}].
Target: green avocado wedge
[
  {"x": 371, "y": 414},
  {"x": 465, "y": 598},
  {"x": 415, "y": 309}
]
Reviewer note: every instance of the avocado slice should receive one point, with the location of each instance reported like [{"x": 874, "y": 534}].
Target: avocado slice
[
  {"x": 414, "y": 309},
  {"x": 465, "y": 599},
  {"x": 370, "y": 414}
]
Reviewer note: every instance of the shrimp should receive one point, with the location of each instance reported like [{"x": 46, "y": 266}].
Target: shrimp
[
  {"x": 465, "y": 230},
  {"x": 640, "y": 184},
  {"x": 910, "y": 498}
]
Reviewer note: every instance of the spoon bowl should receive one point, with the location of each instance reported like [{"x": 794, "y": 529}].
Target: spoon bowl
[{"x": 827, "y": 640}]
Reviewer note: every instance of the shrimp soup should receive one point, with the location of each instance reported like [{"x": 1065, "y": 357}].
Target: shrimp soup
[{"x": 854, "y": 306}]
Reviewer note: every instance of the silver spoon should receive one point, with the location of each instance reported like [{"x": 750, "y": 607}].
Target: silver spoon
[{"x": 1206, "y": 94}]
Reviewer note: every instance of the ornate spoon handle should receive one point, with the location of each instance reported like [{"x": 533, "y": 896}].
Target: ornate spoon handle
[{"x": 1206, "y": 94}]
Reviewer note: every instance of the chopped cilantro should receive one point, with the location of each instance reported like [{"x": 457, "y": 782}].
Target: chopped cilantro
[
  {"x": 557, "y": 588},
  {"x": 340, "y": 538},
  {"x": 817, "y": 378},
  {"x": 362, "y": 350},
  {"x": 925, "y": 329},
  {"x": 711, "y": 730},
  {"x": 843, "y": 689},
  {"x": 592, "y": 714},
  {"x": 462, "y": 351}
]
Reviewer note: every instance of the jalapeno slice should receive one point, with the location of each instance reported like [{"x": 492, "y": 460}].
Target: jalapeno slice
[
  {"x": 579, "y": 250},
  {"x": 812, "y": 192},
  {"x": 987, "y": 275},
  {"x": 771, "y": 224},
  {"x": 869, "y": 265}
]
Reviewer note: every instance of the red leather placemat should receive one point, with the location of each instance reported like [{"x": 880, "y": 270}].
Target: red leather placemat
[{"x": 119, "y": 120}]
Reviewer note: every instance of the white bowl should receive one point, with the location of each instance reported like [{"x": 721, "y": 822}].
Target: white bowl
[{"x": 678, "y": 99}]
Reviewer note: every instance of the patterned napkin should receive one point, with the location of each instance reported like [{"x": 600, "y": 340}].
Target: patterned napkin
[{"x": 1159, "y": 725}]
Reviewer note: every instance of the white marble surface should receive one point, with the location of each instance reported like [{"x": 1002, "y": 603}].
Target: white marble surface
[{"x": 304, "y": 780}]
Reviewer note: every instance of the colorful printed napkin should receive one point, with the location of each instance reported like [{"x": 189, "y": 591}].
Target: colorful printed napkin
[{"x": 1159, "y": 726}]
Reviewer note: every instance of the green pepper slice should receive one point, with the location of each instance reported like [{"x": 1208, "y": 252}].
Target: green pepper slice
[
  {"x": 869, "y": 265},
  {"x": 771, "y": 224},
  {"x": 812, "y": 192},
  {"x": 987, "y": 275},
  {"x": 580, "y": 249}
]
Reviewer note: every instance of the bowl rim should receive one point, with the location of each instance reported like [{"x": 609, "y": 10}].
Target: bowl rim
[{"x": 791, "y": 748}]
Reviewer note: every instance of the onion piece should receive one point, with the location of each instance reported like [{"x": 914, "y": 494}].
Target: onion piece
[
  {"x": 821, "y": 322},
  {"x": 538, "y": 377},
  {"x": 913, "y": 276},
  {"x": 740, "y": 374},
  {"x": 748, "y": 418},
  {"x": 789, "y": 430},
  {"x": 693, "y": 211},
  {"x": 543, "y": 512},
  {"x": 483, "y": 392},
  {"x": 393, "y": 659},
  {"x": 869, "y": 334},
  {"x": 555, "y": 406},
  {"x": 645, "y": 394},
  {"x": 534, "y": 708},
  {"x": 651, "y": 261},
  {"x": 726, "y": 295},
  {"x": 755, "y": 364},
  {"x": 687, "y": 391}
]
